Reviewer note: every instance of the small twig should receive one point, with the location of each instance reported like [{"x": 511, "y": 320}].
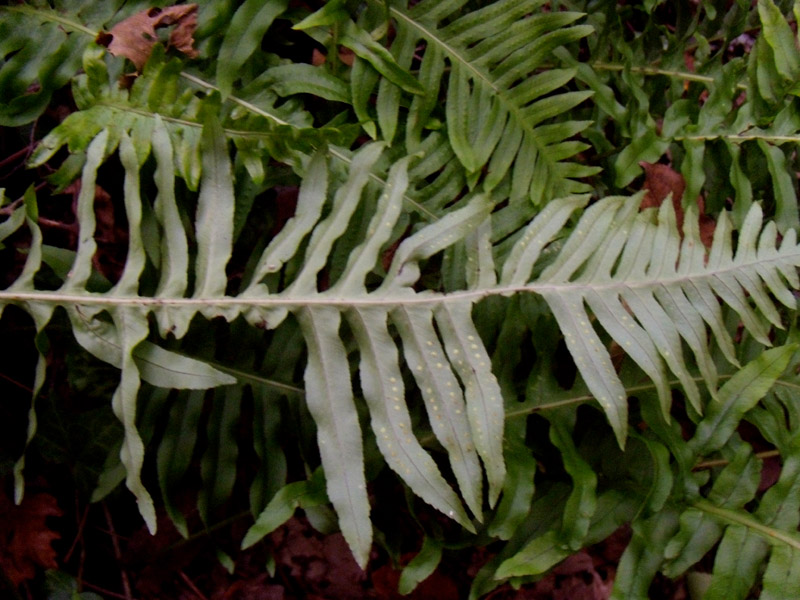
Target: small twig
[
  {"x": 78, "y": 535},
  {"x": 207, "y": 530},
  {"x": 13, "y": 157},
  {"x": 7, "y": 210},
  {"x": 16, "y": 383},
  {"x": 104, "y": 591},
  {"x": 191, "y": 585},
  {"x": 126, "y": 584},
  {"x": 721, "y": 462},
  {"x": 72, "y": 227}
]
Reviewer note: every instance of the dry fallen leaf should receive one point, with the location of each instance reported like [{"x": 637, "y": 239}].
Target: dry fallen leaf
[
  {"x": 26, "y": 538},
  {"x": 346, "y": 56},
  {"x": 135, "y": 37},
  {"x": 660, "y": 181}
]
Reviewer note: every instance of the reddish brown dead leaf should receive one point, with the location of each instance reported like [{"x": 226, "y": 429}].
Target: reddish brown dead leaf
[
  {"x": 317, "y": 57},
  {"x": 707, "y": 224},
  {"x": 25, "y": 538},
  {"x": 346, "y": 56},
  {"x": 388, "y": 255},
  {"x": 660, "y": 181},
  {"x": 135, "y": 37}
]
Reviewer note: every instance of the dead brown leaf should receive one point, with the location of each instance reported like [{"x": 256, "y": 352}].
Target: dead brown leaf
[
  {"x": 135, "y": 37},
  {"x": 25, "y": 538},
  {"x": 660, "y": 181},
  {"x": 346, "y": 56}
]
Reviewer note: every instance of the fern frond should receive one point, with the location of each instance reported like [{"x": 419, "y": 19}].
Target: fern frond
[
  {"x": 671, "y": 539},
  {"x": 649, "y": 313},
  {"x": 354, "y": 279},
  {"x": 738, "y": 110},
  {"x": 41, "y": 50},
  {"x": 502, "y": 108},
  {"x": 164, "y": 92},
  {"x": 635, "y": 290},
  {"x": 746, "y": 540}
]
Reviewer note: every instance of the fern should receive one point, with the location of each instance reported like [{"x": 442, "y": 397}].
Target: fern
[
  {"x": 728, "y": 121},
  {"x": 416, "y": 264}
]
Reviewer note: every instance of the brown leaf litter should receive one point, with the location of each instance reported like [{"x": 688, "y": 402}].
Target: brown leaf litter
[
  {"x": 661, "y": 181},
  {"x": 135, "y": 37},
  {"x": 26, "y": 538}
]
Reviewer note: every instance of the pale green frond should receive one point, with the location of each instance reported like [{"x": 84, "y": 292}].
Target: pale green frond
[
  {"x": 330, "y": 399},
  {"x": 415, "y": 287},
  {"x": 404, "y": 269},
  {"x": 443, "y": 397},
  {"x": 382, "y": 385},
  {"x": 310, "y": 201},
  {"x": 484, "y": 400},
  {"x": 215, "y": 208},
  {"x": 334, "y": 226},
  {"x": 174, "y": 249},
  {"x": 642, "y": 315},
  {"x": 82, "y": 266},
  {"x": 517, "y": 269},
  {"x": 381, "y": 226},
  {"x": 156, "y": 365},
  {"x": 133, "y": 329},
  {"x": 128, "y": 283}
]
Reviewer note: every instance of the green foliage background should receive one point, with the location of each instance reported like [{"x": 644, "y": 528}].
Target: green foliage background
[{"x": 466, "y": 254}]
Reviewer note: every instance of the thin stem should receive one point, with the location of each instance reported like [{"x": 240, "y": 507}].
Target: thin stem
[
  {"x": 15, "y": 156},
  {"x": 654, "y": 71},
  {"x": 16, "y": 383},
  {"x": 104, "y": 591},
  {"x": 190, "y": 584},
  {"x": 770, "y": 534},
  {"x": 721, "y": 462},
  {"x": 524, "y": 412},
  {"x": 740, "y": 138},
  {"x": 55, "y": 17},
  {"x": 252, "y": 377},
  {"x": 79, "y": 534},
  {"x": 126, "y": 584},
  {"x": 572, "y": 289},
  {"x": 207, "y": 530}
]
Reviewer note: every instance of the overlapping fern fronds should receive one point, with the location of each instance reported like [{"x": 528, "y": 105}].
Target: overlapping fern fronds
[
  {"x": 727, "y": 117},
  {"x": 413, "y": 324},
  {"x": 480, "y": 105},
  {"x": 678, "y": 514},
  {"x": 641, "y": 303}
]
